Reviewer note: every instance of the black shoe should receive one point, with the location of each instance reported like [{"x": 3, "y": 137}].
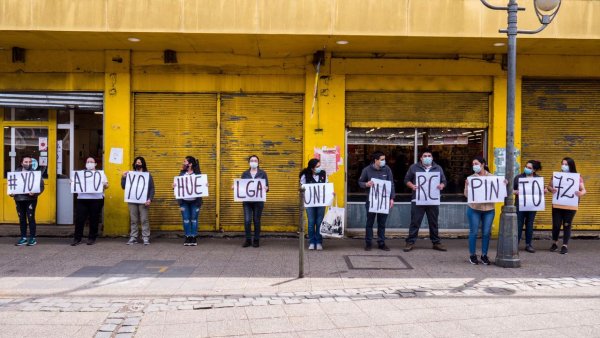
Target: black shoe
[
  {"x": 564, "y": 250},
  {"x": 529, "y": 248},
  {"x": 554, "y": 247},
  {"x": 368, "y": 247},
  {"x": 485, "y": 260},
  {"x": 193, "y": 241},
  {"x": 473, "y": 260},
  {"x": 247, "y": 243},
  {"x": 409, "y": 247},
  {"x": 76, "y": 242},
  {"x": 439, "y": 247},
  {"x": 91, "y": 242},
  {"x": 255, "y": 244},
  {"x": 188, "y": 241},
  {"x": 383, "y": 247}
]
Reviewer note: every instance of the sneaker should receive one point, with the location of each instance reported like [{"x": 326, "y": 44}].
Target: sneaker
[
  {"x": 368, "y": 247},
  {"x": 76, "y": 242},
  {"x": 146, "y": 241},
  {"x": 131, "y": 241},
  {"x": 529, "y": 248},
  {"x": 473, "y": 260},
  {"x": 485, "y": 260},
  {"x": 319, "y": 247},
  {"x": 564, "y": 250},
  {"x": 193, "y": 241},
  {"x": 22, "y": 241},
  {"x": 409, "y": 247},
  {"x": 32, "y": 241},
  {"x": 91, "y": 242},
  {"x": 255, "y": 243},
  {"x": 439, "y": 247},
  {"x": 554, "y": 247},
  {"x": 247, "y": 243},
  {"x": 187, "y": 241},
  {"x": 383, "y": 247},
  {"x": 311, "y": 247}
]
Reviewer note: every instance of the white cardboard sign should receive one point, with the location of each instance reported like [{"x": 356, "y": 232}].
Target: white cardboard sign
[
  {"x": 531, "y": 194},
  {"x": 566, "y": 185},
  {"x": 379, "y": 196},
  {"x": 318, "y": 194},
  {"x": 486, "y": 189},
  {"x": 23, "y": 182},
  {"x": 136, "y": 187},
  {"x": 190, "y": 186},
  {"x": 427, "y": 188},
  {"x": 249, "y": 190},
  {"x": 87, "y": 181}
]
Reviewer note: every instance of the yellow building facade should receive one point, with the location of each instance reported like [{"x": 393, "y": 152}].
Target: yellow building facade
[{"x": 222, "y": 80}]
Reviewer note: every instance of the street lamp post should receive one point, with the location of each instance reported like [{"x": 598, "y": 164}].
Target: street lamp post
[{"x": 508, "y": 252}]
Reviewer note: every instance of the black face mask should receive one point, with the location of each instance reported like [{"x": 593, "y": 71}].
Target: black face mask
[
  {"x": 138, "y": 166},
  {"x": 26, "y": 166}
]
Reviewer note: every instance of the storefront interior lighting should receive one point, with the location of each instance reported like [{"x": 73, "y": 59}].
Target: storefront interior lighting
[
  {"x": 132, "y": 39},
  {"x": 499, "y": 44},
  {"x": 342, "y": 42},
  {"x": 467, "y": 132},
  {"x": 370, "y": 131}
]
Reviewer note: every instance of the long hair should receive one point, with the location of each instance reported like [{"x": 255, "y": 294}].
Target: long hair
[
  {"x": 195, "y": 164},
  {"x": 571, "y": 163},
  {"x": 144, "y": 167},
  {"x": 537, "y": 165},
  {"x": 376, "y": 155},
  {"x": 481, "y": 160},
  {"x": 309, "y": 168}
]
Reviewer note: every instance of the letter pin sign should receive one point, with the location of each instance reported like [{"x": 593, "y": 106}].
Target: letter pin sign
[
  {"x": 379, "y": 196},
  {"x": 249, "y": 190},
  {"x": 427, "y": 191},
  {"x": 136, "y": 187},
  {"x": 486, "y": 189},
  {"x": 318, "y": 194},
  {"x": 566, "y": 184},
  {"x": 531, "y": 194},
  {"x": 87, "y": 181},
  {"x": 190, "y": 186},
  {"x": 23, "y": 182}
]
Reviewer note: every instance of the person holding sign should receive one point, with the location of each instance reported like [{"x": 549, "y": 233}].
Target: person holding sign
[
  {"x": 139, "y": 192},
  {"x": 89, "y": 204},
  {"x": 310, "y": 175},
  {"x": 190, "y": 207},
  {"x": 253, "y": 210},
  {"x": 526, "y": 218},
  {"x": 479, "y": 213},
  {"x": 26, "y": 203},
  {"x": 422, "y": 186},
  {"x": 565, "y": 190},
  {"x": 377, "y": 171}
]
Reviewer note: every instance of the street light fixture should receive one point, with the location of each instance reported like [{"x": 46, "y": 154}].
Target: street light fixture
[{"x": 508, "y": 251}]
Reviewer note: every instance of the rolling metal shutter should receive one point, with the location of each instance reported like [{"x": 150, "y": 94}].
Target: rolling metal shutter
[
  {"x": 269, "y": 126},
  {"x": 560, "y": 119},
  {"x": 418, "y": 110},
  {"x": 167, "y": 128}
]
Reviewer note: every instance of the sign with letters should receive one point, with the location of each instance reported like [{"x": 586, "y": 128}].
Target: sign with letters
[
  {"x": 379, "y": 196},
  {"x": 566, "y": 184},
  {"x": 190, "y": 186},
  {"x": 427, "y": 188},
  {"x": 136, "y": 187},
  {"x": 23, "y": 182},
  {"x": 531, "y": 194},
  {"x": 318, "y": 194},
  {"x": 486, "y": 189},
  {"x": 87, "y": 181},
  {"x": 249, "y": 190}
]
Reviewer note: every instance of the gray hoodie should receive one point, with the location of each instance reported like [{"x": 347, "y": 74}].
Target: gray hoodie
[
  {"x": 411, "y": 174},
  {"x": 370, "y": 172}
]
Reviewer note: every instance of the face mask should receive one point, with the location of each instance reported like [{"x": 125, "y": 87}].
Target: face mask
[
  {"x": 528, "y": 171},
  {"x": 26, "y": 166},
  {"x": 427, "y": 160},
  {"x": 138, "y": 166},
  {"x": 477, "y": 169},
  {"x": 90, "y": 166},
  {"x": 565, "y": 168},
  {"x": 317, "y": 170},
  {"x": 382, "y": 163},
  {"x": 253, "y": 165}
]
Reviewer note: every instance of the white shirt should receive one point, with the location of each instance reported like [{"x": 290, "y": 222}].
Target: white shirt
[{"x": 94, "y": 196}]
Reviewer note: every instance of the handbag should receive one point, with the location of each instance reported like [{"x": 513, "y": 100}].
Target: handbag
[{"x": 333, "y": 222}]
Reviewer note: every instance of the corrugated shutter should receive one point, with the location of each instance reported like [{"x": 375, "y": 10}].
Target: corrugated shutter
[
  {"x": 269, "y": 126},
  {"x": 167, "y": 128},
  {"x": 423, "y": 109},
  {"x": 560, "y": 119}
]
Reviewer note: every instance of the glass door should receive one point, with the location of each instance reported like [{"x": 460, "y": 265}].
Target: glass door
[{"x": 64, "y": 165}]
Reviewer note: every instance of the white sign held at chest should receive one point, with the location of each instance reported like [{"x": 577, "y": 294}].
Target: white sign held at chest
[
  {"x": 531, "y": 194},
  {"x": 136, "y": 187},
  {"x": 566, "y": 184},
  {"x": 190, "y": 186},
  {"x": 486, "y": 189},
  {"x": 87, "y": 181},
  {"x": 249, "y": 190},
  {"x": 318, "y": 194},
  {"x": 379, "y": 196},
  {"x": 427, "y": 188},
  {"x": 23, "y": 182}
]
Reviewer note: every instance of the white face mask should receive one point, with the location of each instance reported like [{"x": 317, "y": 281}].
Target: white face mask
[
  {"x": 253, "y": 165},
  {"x": 90, "y": 166},
  {"x": 565, "y": 168}
]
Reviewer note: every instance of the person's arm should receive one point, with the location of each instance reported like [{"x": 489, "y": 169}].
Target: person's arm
[
  {"x": 363, "y": 180},
  {"x": 466, "y": 187},
  {"x": 123, "y": 181},
  {"x": 409, "y": 178},
  {"x": 302, "y": 180},
  {"x": 104, "y": 180},
  {"x": 266, "y": 180},
  {"x": 151, "y": 188},
  {"x": 516, "y": 185},
  {"x": 393, "y": 191},
  {"x": 443, "y": 181},
  {"x": 582, "y": 190}
]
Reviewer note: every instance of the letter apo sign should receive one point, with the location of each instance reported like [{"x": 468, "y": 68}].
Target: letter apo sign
[
  {"x": 486, "y": 189},
  {"x": 249, "y": 190},
  {"x": 23, "y": 182},
  {"x": 87, "y": 181},
  {"x": 427, "y": 188},
  {"x": 136, "y": 187},
  {"x": 318, "y": 194},
  {"x": 531, "y": 194},
  {"x": 566, "y": 184},
  {"x": 190, "y": 186},
  {"x": 379, "y": 196}
]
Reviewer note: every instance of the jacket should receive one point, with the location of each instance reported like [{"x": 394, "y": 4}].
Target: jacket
[
  {"x": 384, "y": 173},
  {"x": 27, "y": 197},
  {"x": 411, "y": 174}
]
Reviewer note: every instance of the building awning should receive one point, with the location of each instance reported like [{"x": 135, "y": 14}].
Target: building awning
[{"x": 53, "y": 100}]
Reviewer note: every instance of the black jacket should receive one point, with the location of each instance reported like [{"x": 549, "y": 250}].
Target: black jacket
[
  {"x": 151, "y": 189},
  {"x": 411, "y": 174}
]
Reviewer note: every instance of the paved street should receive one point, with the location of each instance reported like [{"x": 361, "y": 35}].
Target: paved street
[{"x": 221, "y": 289}]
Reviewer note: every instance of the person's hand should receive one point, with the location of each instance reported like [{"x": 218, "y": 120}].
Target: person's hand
[
  {"x": 233, "y": 187},
  {"x": 31, "y": 194},
  {"x": 516, "y": 192},
  {"x": 124, "y": 173},
  {"x": 148, "y": 203},
  {"x": 105, "y": 185},
  {"x": 441, "y": 186},
  {"x": 578, "y": 193},
  {"x": 11, "y": 195},
  {"x": 391, "y": 203},
  {"x": 369, "y": 184},
  {"x": 414, "y": 187},
  {"x": 174, "y": 185},
  {"x": 553, "y": 189},
  {"x": 267, "y": 188},
  {"x": 505, "y": 181}
]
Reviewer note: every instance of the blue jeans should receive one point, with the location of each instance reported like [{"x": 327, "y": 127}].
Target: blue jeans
[
  {"x": 381, "y": 218},
  {"x": 189, "y": 212},
  {"x": 485, "y": 218},
  {"x": 252, "y": 212},
  {"x": 315, "y": 218},
  {"x": 526, "y": 218}
]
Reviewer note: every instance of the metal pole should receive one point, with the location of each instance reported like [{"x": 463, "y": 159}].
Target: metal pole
[
  {"x": 301, "y": 236},
  {"x": 507, "y": 255}
]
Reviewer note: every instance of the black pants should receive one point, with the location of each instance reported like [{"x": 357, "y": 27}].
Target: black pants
[
  {"x": 381, "y": 218},
  {"x": 252, "y": 212},
  {"x": 417, "y": 213},
  {"x": 88, "y": 209},
  {"x": 564, "y": 218},
  {"x": 26, "y": 212}
]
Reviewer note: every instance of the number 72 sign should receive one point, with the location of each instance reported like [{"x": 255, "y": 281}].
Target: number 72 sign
[{"x": 566, "y": 184}]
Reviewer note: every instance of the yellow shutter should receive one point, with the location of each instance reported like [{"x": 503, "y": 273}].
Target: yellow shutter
[
  {"x": 417, "y": 110},
  {"x": 269, "y": 126},
  {"x": 560, "y": 119},
  {"x": 167, "y": 128}
]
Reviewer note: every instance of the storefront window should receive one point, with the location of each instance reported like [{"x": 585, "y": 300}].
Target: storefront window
[
  {"x": 24, "y": 141},
  {"x": 452, "y": 149},
  {"x": 25, "y": 114}
]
